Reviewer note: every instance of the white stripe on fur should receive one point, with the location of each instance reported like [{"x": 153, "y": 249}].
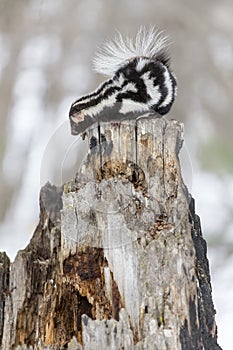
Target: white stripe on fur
[{"x": 169, "y": 87}]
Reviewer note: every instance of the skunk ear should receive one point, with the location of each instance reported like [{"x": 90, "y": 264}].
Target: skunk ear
[{"x": 149, "y": 42}]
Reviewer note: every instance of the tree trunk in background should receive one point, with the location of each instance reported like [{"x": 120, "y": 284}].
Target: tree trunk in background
[
  {"x": 4, "y": 287},
  {"x": 118, "y": 260}
]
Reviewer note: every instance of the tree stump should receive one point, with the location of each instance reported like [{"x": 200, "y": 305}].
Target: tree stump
[{"x": 117, "y": 260}]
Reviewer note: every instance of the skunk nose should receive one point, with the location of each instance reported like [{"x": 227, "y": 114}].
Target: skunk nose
[
  {"x": 80, "y": 122},
  {"x": 74, "y": 127}
]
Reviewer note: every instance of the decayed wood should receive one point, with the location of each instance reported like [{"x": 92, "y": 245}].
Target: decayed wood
[
  {"x": 118, "y": 260},
  {"x": 4, "y": 287}
]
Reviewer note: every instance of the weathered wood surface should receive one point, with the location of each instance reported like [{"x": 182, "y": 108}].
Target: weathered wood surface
[
  {"x": 118, "y": 260},
  {"x": 4, "y": 287}
]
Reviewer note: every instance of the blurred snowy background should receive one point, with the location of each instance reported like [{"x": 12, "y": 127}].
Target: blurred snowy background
[{"x": 46, "y": 49}]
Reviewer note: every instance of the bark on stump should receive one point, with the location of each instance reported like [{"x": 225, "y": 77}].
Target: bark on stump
[{"x": 118, "y": 260}]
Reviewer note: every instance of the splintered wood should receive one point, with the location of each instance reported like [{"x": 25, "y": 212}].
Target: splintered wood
[{"x": 118, "y": 260}]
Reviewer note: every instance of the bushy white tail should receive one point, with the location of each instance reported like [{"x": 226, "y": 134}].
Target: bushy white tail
[{"x": 149, "y": 42}]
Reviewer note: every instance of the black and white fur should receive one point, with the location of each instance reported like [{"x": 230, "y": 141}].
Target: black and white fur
[{"x": 141, "y": 81}]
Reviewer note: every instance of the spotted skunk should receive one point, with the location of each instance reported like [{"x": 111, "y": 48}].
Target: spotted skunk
[{"x": 141, "y": 81}]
